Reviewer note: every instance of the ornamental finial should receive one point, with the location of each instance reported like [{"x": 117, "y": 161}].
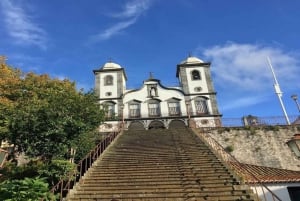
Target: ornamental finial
[{"x": 150, "y": 75}]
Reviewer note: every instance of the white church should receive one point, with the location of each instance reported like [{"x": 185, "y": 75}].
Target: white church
[{"x": 153, "y": 105}]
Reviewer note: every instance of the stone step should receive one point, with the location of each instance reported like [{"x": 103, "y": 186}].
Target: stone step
[
  {"x": 158, "y": 167},
  {"x": 159, "y": 175},
  {"x": 153, "y": 187},
  {"x": 166, "y": 195},
  {"x": 159, "y": 170},
  {"x": 139, "y": 181},
  {"x": 149, "y": 162}
]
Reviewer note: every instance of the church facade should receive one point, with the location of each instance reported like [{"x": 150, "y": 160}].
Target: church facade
[{"x": 153, "y": 105}]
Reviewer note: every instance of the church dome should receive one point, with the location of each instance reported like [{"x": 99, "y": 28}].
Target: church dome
[
  {"x": 111, "y": 65},
  {"x": 192, "y": 60}
]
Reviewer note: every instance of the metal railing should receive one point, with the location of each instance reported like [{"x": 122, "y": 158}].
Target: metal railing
[
  {"x": 260, "y": 121},
  {"x": 234, "y": 164},
  {"x": 64, "y": 186}
]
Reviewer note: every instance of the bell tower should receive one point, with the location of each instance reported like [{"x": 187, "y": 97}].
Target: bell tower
[
  {"x": 110, "y": 81},
  {"x": 195, "y": 79},
  {"x": 110, "y": 85}
]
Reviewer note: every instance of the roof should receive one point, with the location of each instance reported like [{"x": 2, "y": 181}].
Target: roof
[
  {"x": 111, "y": 65},
  {"x": 266, "y": 174},
  {"x": 191, "y": 60}
]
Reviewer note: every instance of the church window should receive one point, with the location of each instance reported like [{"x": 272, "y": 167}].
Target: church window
[
  {"x": 108, "y": 80},
  {"x": 174, "y": 108},
  {"x": 109, "y": 108},
  {"x": 196, "y": 75},
  {"x": 201, "y": 105},
  {"x": 134, "y": 110},
  {"x": 154, "y": 108},
  {"x": 108, "y": 93},
  {"x": 294, "y": 193}
]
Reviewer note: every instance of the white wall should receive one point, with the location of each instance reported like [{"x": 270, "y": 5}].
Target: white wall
[
  {"x": 163, "y": 94},
  {"x": 196, "y": 83},
  {"x": 279, "y": 189},
  {"x": 109, "y": 88}
]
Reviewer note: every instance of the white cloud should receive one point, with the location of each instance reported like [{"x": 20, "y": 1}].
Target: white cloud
[
  {"x": 130, "y": 13},
  {"x": 21, "y": 26},
  {"x": 113, "y": 30},
  {"x": 242, "y": 74},
  {"x": 245, "y": 66},
  {"x": 243, "y": 102},
  {"x": 133, "y": 9}
]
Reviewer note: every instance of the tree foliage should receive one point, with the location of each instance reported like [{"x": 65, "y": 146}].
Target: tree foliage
[
  {"x": 30, "y": 189},
  {"x": 44, "y": 116},
  {"x": 52, "y": 171},
  {"x": 9, "y": 93}
]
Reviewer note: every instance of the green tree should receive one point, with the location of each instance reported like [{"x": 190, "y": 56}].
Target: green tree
[
  {"x": 29, "y": 189},
  {"x": 48, "y": 115},
  {"x": 9, "y": 93}
]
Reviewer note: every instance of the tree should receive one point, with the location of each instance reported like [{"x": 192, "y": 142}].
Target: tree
[
  {"x": 9, "y": 93},
  {"x": 47, "y": 115},
  {"x": 30, "y": 189}
]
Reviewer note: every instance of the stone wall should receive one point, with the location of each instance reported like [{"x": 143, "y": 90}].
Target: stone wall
[{"x": 265, "y": 146}]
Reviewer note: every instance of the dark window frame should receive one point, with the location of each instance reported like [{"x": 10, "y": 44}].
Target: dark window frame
[
  {"x": 196, "y": 75},
  {"x": 108, "y": 80}
]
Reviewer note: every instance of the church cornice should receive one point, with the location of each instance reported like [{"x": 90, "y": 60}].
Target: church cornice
[
  {"x": 158, "y": 83},
  {"x": 173, "y": 117},
  {"x": 109, "y": 99},
  {"x": 197, "y": 94}
]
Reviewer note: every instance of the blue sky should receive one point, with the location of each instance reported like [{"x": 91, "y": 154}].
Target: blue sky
[{"x": 68, "y": 39}]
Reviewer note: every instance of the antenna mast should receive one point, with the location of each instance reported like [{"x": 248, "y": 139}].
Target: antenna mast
[{"x": 278, "y": 92}]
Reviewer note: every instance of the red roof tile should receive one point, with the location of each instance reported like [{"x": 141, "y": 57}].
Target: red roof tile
[{"x": 265, "y": 174}]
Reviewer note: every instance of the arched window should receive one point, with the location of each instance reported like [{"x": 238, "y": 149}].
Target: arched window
[
  {"x": 201, "y": 105},
  {"x": 196, "y": 75},
  {"x": 108, "y": 80}
]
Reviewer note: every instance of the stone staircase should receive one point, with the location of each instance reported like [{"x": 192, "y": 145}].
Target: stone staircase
[{"x": 159, "y": 165}]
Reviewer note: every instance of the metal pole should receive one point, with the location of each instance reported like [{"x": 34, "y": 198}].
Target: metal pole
[
  {"x": 278, "y": 92},
  {"x": 295, "y": 98},
  {"x": 297, "y": 103}
]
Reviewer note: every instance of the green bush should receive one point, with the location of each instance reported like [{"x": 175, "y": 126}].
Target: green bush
[
  {"x": 56, "y": 170},
  {"x": 229, "y": 149},
  {"x": 52, "y": 171},
  {"x": 29, "y": 189},
  {"x": 13, "y": 172},
  {"x": 84, "y": 144}
]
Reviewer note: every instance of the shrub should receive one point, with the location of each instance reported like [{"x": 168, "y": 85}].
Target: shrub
[
  {"x": 229, "y": 149},
  {"x": 52, "y": 171},
  {"x": 29, "y": 189},
  {"x": 13, "y": 172},
  {"x": 56, "y": 170}
]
